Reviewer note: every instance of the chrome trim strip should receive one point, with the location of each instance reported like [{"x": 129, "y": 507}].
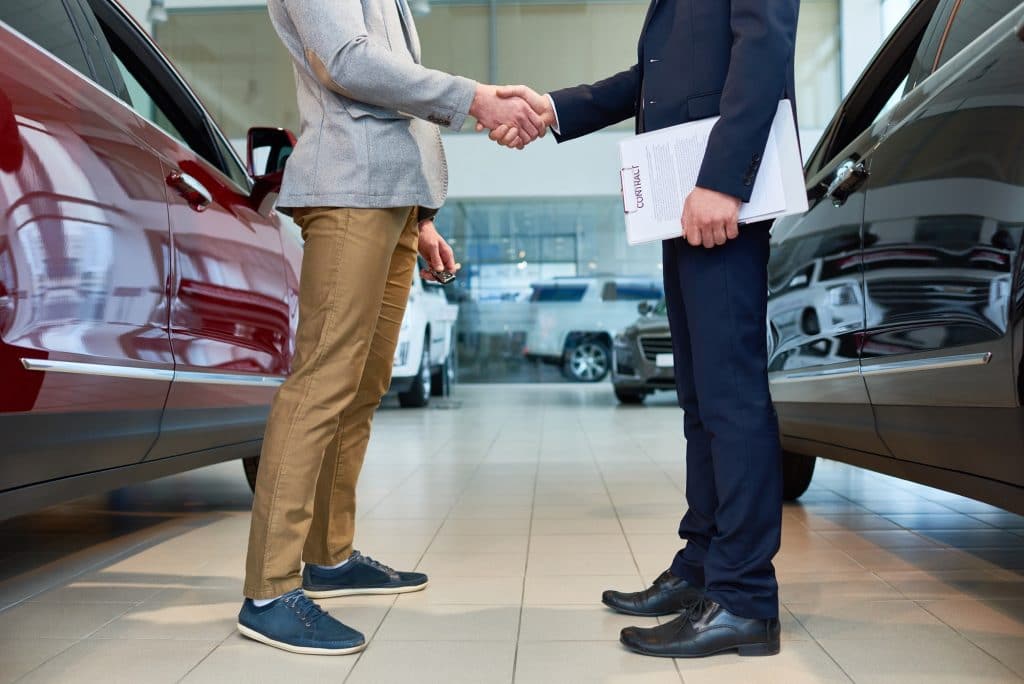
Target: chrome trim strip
[
  {"x": 806, "y": 376},
  {"x": 936, "y": 363},
  {"x": 163, "y": 374},
  {"x": 130, "y": 372},
  {"x": 244, "y": 379},
  {"x": 885, "y": 368}
]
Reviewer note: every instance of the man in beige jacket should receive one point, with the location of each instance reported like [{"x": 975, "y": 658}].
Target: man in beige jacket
[{"x": 364, "y": 181}]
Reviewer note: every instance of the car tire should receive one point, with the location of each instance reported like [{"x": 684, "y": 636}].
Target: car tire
[
  {"x": 442, "y": 380},
  {"x": 418, "y": 395},
  {"x": 589, "y": 361},
  {"x": 630, "y": 397},
  {"x": 797, "y": 471},
  {"x": 252, "y": 470}
]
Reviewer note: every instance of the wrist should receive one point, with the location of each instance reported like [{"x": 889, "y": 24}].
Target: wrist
[{"x": 481, "y": 94}]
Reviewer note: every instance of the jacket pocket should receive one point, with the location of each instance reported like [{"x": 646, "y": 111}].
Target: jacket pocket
[
  {"x": 358, "y": 110},
  {"x": 704, "y": 106}
]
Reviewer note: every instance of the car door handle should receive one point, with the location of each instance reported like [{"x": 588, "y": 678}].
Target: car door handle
[
  {"x": 850, "y": 175},
  {"x": 194, "y": 192}
]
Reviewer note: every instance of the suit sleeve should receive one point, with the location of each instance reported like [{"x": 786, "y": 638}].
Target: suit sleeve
[
  {"x": 588, "y": 108},
  {"x": 763, "y": 42},
  {"x": 347, "y": 61}
]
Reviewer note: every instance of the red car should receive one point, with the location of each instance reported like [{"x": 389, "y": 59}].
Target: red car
[{"x": 148, "y": 291}]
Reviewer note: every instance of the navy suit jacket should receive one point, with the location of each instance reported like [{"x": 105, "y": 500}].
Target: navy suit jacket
[{"x": 696, "y": 59}]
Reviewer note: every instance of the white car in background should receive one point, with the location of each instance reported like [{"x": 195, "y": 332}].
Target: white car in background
[
  {"x": 425, "y": 356},
  {"x": 573, "y": 320}
]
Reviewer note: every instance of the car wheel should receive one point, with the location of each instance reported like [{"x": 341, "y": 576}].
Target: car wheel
[
  {"x": 589, "y": 361},
  {"x": 444, "y": 378},
  {"x": 418, "y": 395},
  {"x": 797, "y": 471},
  {"x": 252, "y": 470},
  {"x": 630, "y": 397}
]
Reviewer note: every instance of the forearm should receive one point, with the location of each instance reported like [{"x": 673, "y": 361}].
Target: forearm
[
  {"x": 587, "y": 108},
  {"x": 764, "y": 35}
]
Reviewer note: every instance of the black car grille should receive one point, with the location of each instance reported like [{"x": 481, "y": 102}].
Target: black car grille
[{"x": 652, "y": 346}]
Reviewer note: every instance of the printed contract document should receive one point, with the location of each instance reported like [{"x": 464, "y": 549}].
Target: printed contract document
[{"x": 660, "y": 169}]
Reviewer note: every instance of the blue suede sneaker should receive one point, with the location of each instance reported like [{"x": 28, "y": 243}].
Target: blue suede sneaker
[
  {"x": 361, "y": 575},
  {"x": 294, "y": 623}
]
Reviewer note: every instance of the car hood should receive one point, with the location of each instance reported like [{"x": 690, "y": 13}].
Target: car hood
[{"x": 647, "y": 325}]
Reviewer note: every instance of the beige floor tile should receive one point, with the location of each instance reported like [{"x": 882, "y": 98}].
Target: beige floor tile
[
  {"x": 578, "y": 590},
  {"x": 579, "y": 543},
  {"x": 466, "y": 526},
  {"x": 797, "y": 587},
  {"x": 367, "y": 529},
  {"x": 242, "y": 660},
  {"x": 664, "y": 545},
  {"x": 20, "y": 656},
  {"x": 476, "y": 543},
  {"x": 474, "y": 564},
  {"x": 450, "y": 589},
  {"x": 130, "y": 661},
  {"x": 799, "y": 662},
  {"x": 94, "y": 589},
  {"x": 58, "y": 621},
  {"x": 567, "y": 512},
  {"x": 877, "y": 539},
  {"x": 435, "y": 622},
  {"x": 947, "y": 584},
  {"x": 383, "y": 545},
  {"x": 580, "y": 564},
  {"x": 1007, "y": 650},
  {"x": 823, "y": 561},
  {"x": 576, "y": 623},
  {"x": 200, "y": 614},
  {"x": 917, "y": 559},
  {"x": 434, "y": 662},
  {"x": 549, "y": 526},
  {"x": 936, "y": 659},
  {"x": 820, "y": 522},
  {"x": 593, "y": 662},
  {"x": 852, "y": 619},
  {"x": 980, "y": 617}
]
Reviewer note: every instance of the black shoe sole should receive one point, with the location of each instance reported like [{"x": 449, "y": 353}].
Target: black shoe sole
[{"x": 768, "y": 648}]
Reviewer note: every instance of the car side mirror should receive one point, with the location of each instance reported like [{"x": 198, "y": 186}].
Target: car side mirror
[
  {"x": 268, "y": 150},
  {"x": 644, "y": 308}
]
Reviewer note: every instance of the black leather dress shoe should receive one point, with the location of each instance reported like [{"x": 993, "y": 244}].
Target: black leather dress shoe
[
  {"x": 705, "y": 630},
  {"x": 667, "y": 595}
]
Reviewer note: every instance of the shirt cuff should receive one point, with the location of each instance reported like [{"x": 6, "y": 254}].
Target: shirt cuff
[{"x": 555, "y": 127}]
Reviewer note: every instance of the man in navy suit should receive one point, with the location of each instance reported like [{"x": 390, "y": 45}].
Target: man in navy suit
[{"x": 697, "y": 59}]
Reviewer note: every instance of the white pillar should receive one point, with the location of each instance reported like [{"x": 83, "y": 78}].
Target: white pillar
[{"x": 860, "y": 24}]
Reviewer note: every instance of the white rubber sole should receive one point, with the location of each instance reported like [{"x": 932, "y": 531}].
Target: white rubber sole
[
  {"x": 304, "y": 650},
  {"x": 334, "y": 593}
]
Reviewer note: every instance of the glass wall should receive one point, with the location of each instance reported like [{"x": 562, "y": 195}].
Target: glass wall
[{"x": 535, "y": 269}]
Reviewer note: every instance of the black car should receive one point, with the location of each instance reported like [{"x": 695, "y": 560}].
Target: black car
[
  {"x": 642, "y": 356},
  {"x": 896, "y": 301}
]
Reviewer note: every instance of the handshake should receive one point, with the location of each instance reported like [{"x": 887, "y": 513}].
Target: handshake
[{"x": 514, "y": 115}]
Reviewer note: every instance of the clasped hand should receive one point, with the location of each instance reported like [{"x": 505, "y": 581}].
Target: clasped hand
[{"x": 514, "y": 115}]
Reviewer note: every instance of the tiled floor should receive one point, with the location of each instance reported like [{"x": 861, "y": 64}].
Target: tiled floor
[{"x": 523, "y": 503}]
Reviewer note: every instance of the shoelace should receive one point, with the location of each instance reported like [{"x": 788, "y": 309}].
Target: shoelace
[
  {"x": 307, "y": 611},
  {"x": 696, "y": 609},
  {"x": 391, "y": 572}
]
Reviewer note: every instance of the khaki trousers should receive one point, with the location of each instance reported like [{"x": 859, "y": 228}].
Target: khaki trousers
[{"x": 357, "y": 270}]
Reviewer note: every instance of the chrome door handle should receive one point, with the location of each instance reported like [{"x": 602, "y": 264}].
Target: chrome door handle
[
  {"x": 194, "y": 192},
  {"x": 849, "y": 176}
]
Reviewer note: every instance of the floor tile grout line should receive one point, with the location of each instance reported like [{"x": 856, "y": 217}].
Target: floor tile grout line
[
  {"x": 819, "y": 644},
  {"x": 618, "y": 518},
  {"x": 526, "y": 566},
  {"x": 369, "y": 641},
  {"x": 919, "y": 603},
  {"x": 204, "y": 658},
  {"x": 74, "y": 642}
]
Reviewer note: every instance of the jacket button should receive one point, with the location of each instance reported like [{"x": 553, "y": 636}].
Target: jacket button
[{"x": 756, "y": 158}]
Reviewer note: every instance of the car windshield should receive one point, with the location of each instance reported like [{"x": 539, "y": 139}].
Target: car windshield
[
  {"x": 558, "y": 293},
  {"x": 660, "y": 309}
]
